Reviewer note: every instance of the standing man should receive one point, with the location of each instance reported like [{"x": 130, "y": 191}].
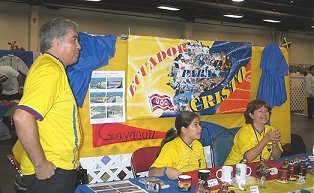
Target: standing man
[
  {"x": 11, "y": 83},
  {"x": 309, "y": 87},
  {"x": 46, "y": 118}
]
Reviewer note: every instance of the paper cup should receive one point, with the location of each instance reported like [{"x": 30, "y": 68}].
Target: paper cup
[
  {"x": 203, "y": 175},
  {"x": 184, "y": 183}
]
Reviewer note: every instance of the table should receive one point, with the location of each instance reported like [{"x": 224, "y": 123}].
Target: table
[
  {"x": 272, "y": 185},
  {"x": 172, "y": 189}
]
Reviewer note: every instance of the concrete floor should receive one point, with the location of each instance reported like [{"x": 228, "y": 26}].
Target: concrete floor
[
  {"x": 303, "y": 126},
  {"x": 300, "y": 125}
]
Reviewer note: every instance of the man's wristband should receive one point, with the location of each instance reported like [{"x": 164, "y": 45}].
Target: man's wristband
[{"x": 164, "y": 172}]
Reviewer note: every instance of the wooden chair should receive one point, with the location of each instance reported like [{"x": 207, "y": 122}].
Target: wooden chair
[{"x": 143, "y": 158}]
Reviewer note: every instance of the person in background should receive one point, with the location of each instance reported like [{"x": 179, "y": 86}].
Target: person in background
[
  {"x": 11, "y": 83},
  {"x": 256, "y": 140},
  {"x": 11, "y": 88},
  {"x": 309, "y": 87},
  {"x": 46, "y": 118},
  {"x": 181, "y": 151}
]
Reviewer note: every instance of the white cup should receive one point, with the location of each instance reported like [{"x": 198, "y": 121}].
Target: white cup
[
  {"x": 226, "y": 174},
  {"x": 242, "y": 170}
]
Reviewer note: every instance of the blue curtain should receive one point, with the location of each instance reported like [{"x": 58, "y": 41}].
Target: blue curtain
[
  {"x": 96, "y": 50},
  {"x": 274, "y": 67}
]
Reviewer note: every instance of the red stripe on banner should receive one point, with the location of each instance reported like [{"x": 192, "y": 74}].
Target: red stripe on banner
[
  {"x": 238, "y": 100},
  {"x": 105, "y": 134}
]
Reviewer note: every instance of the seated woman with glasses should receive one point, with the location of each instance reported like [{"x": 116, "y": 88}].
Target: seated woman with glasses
[
  {"x": 181, "y": 151},
  {"x": 256, "y": 140}
]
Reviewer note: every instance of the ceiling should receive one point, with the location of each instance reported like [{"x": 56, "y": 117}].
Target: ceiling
[{"x": 296, "y": 15}]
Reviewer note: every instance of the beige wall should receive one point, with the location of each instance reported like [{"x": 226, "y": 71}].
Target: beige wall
[
  {"x": 14, "y": 25},
  {"x": 17, "y": 25}
]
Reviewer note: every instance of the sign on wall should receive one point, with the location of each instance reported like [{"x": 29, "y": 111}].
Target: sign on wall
[
  {"x": 106, "y": 97},
  {"x": 166, "y": 76}
]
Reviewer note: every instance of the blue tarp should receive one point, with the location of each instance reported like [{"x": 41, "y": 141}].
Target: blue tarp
[
  {"x": 274, "y": 67},
  {"x": 210, "y": 130},
  {"x": 96, "y": 50}
]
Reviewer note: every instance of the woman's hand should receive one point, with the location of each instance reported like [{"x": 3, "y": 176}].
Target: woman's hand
[
  {"x": 276, "y": 151},
  {"x": 273, "y": 136},
  {"x": 172, "y": 173},
  {"x": 276, "y": 136}
]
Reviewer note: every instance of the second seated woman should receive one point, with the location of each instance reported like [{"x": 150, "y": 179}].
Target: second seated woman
[
  {"x": 181, "y": 151},
  {"x": 256, "y": 140}
]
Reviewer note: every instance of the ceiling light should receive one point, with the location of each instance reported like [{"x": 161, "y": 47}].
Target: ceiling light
[
  {"x": 312, "y": 26},
  {"x": 167, "y": 7},
  {"x": 237, "y": 16},
  {"x": 93, "y": 0},
  {"x": 237, "y": 0},
  {"x": 271, "y": 20}
]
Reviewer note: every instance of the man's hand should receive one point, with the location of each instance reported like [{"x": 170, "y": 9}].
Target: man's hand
[
  {"x": 21, "y": 89},
  {"x": 45, "y": 170}
]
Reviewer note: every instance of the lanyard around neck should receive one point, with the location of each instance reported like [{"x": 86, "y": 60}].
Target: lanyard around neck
[{"x": 260, "y": 155}]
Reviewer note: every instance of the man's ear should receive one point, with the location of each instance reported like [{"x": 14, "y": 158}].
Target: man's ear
[
  {"x": 55, "y": 42},
  {"x": 251, "y": 115}
]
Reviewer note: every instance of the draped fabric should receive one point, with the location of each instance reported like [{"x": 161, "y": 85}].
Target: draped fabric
[
  {"x": 96, "y": 50},
  {"x": 272, "y": 83},
  {"x": 209, "y": 130}
]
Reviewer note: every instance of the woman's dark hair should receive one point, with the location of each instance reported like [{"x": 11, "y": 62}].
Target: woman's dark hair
[
  {"x": 184, "y": 119},
  {"x": 252, "y": 106}
]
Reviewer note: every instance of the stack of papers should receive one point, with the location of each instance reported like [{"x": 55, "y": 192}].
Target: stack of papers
[{"x": 116, "y": 187}]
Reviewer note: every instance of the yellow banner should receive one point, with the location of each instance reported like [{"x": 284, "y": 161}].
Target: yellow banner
[
  {"x": 167, "y": 76},
  {"x": 120, "y": 62}
]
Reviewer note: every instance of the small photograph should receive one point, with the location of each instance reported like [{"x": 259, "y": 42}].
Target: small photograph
[
  {"x": 139, "y": 191},
  {"x": 115, "y": 111},
  {"x": 122, "y": 185},
  {"x": 98, "y": 97},
  {"x": 129, "y": 189},
  {"x": 114, "y": 97},
  {"x": 98, "y": 83},
  {"x": 98, "y": 112},
  {"x": 101, "y": 187},
  {"x": 107, "y": 191},
  {"x": 114, "y": 82}
]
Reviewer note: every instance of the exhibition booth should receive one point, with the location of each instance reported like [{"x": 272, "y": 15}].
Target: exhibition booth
[{"x": 130, "y": 89}]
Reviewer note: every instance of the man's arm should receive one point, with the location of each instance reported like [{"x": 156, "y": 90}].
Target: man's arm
[
  {"x": 27, "y": 132},
  {"x": 20, "y": 81},
  {"x": 308, "y": 86}
]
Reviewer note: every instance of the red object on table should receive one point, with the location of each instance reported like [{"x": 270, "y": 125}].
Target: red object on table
[{"x": 253, "y": 165}]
